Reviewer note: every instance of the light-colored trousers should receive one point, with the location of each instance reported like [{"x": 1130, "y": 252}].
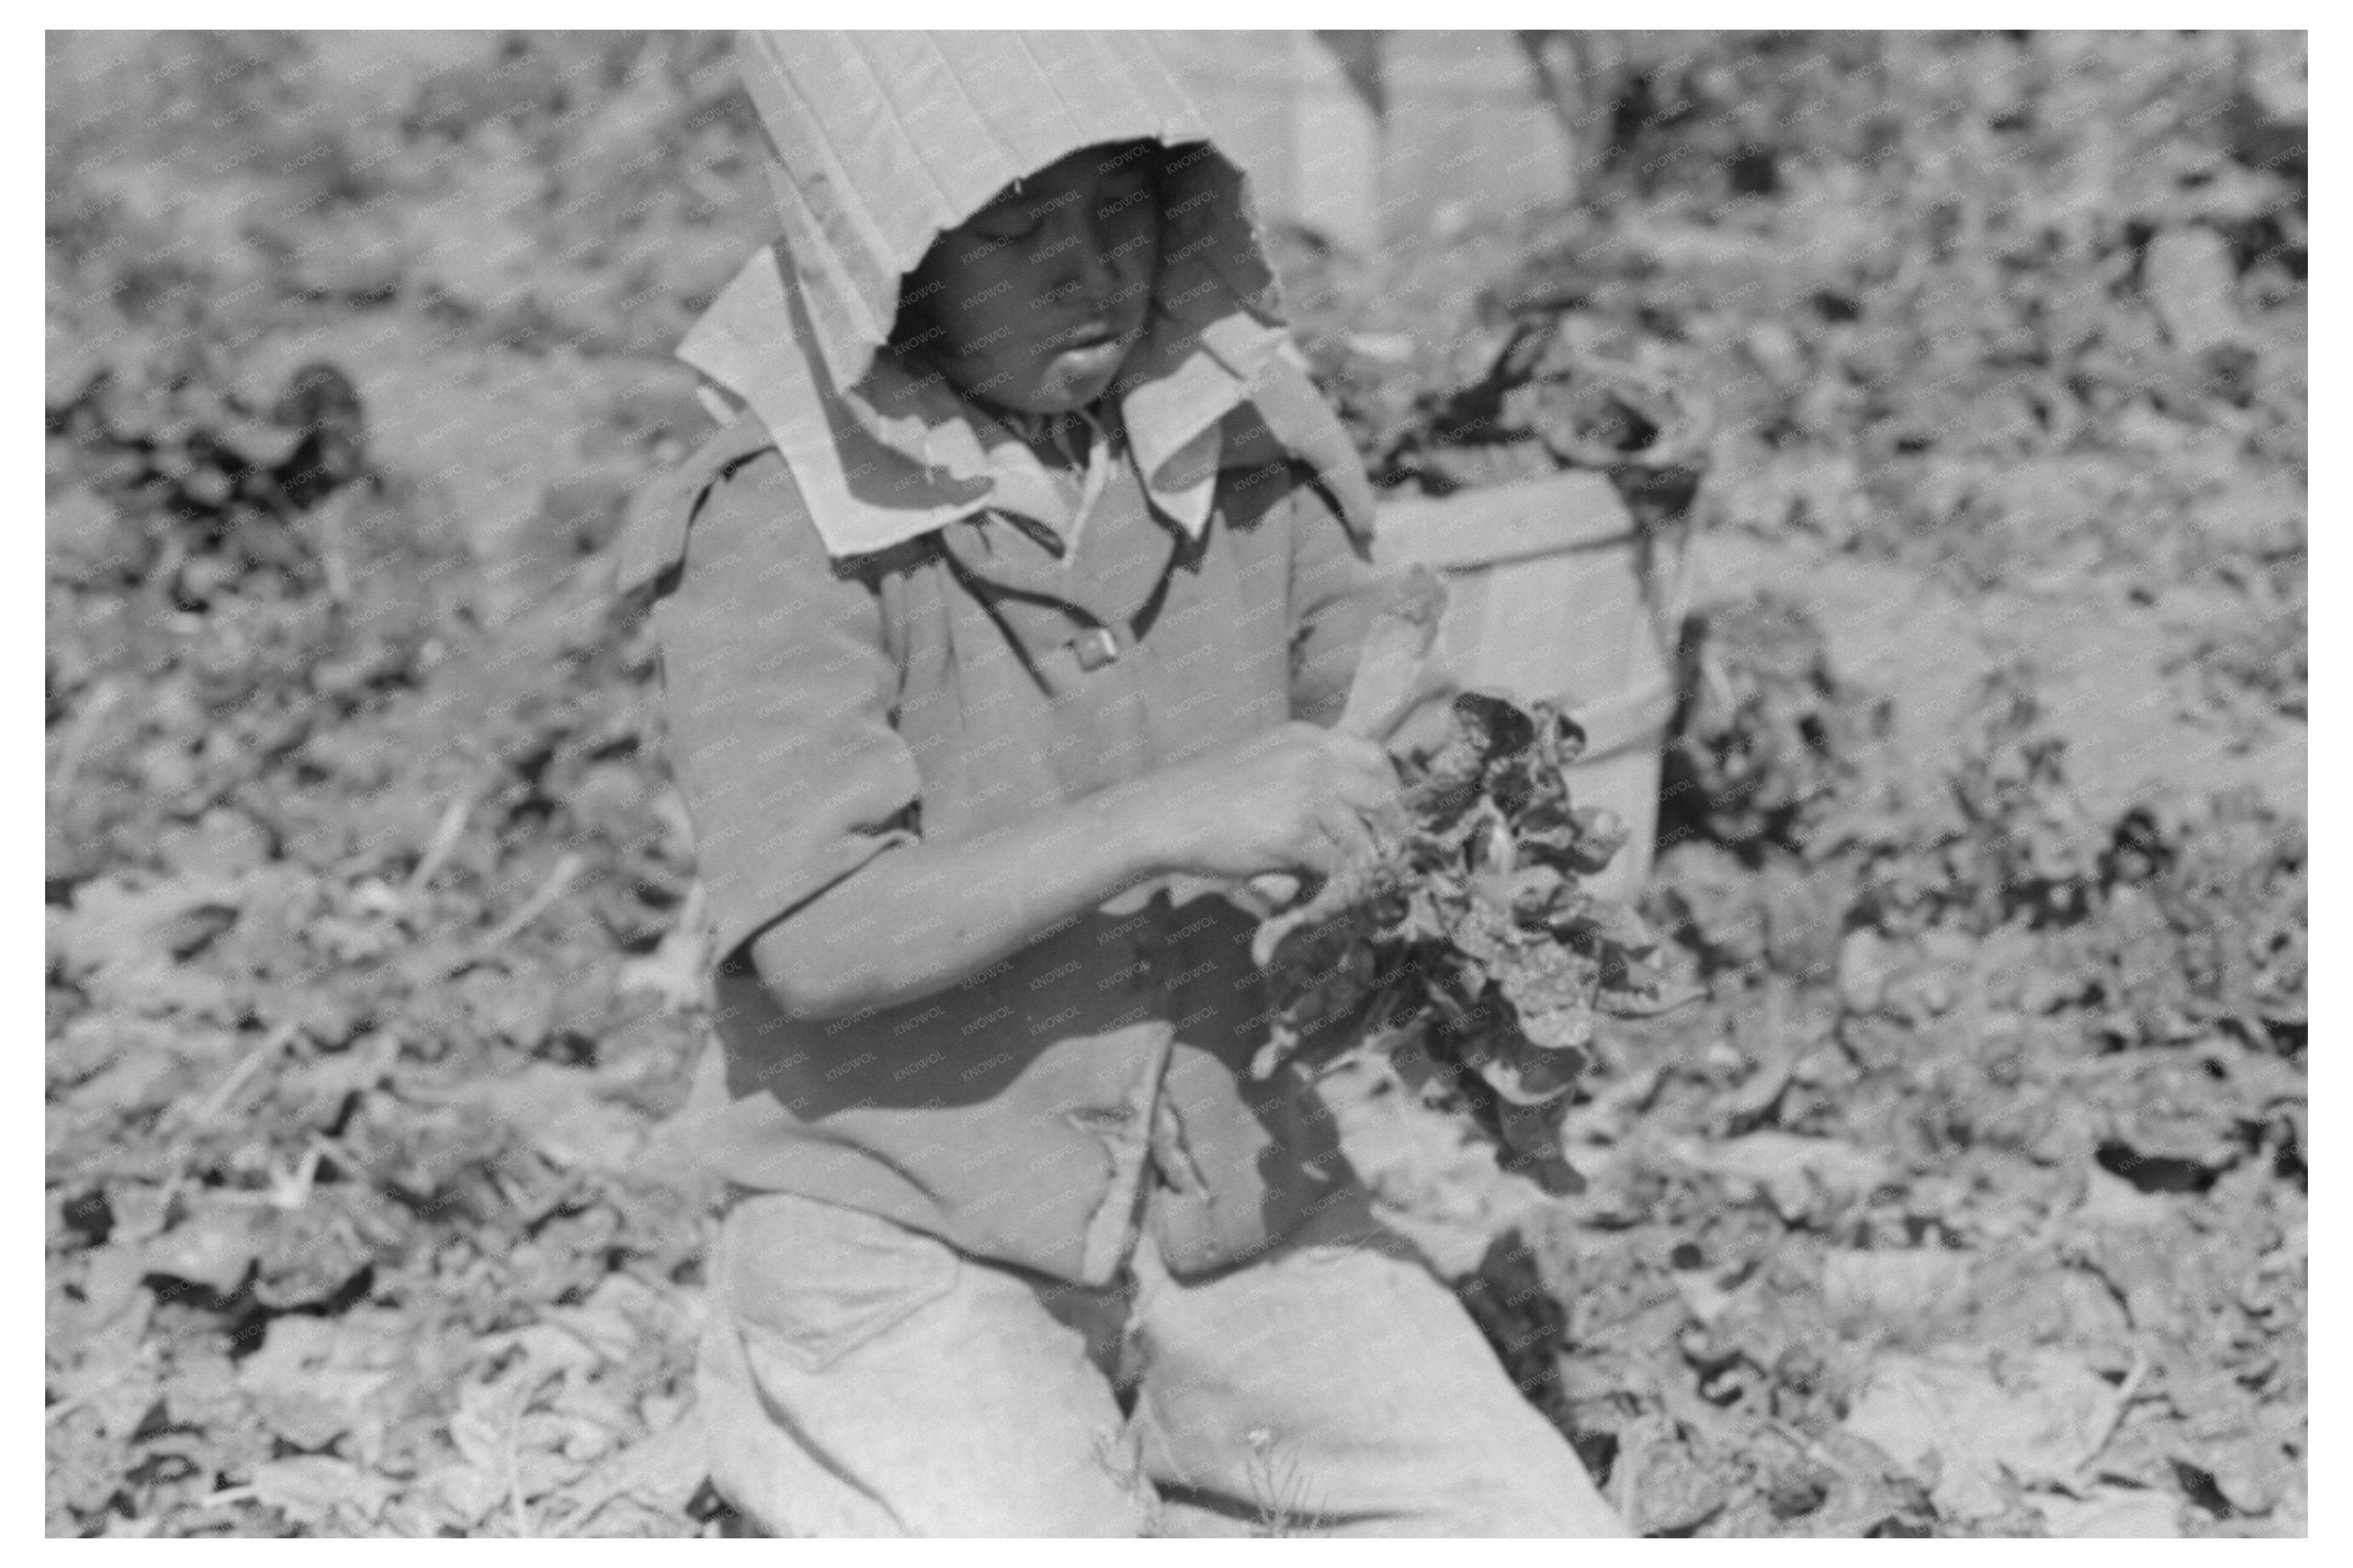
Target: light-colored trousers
[{"x": 861, "y": 1379}]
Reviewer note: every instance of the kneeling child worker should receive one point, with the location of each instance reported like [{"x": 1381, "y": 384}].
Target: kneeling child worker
[{"x": 1001, "y": 630}]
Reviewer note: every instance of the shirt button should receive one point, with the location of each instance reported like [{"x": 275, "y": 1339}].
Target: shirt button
[{"x": 1095, "y": 648}]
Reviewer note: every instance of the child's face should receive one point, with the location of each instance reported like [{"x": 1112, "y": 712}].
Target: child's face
[{"x": 1033, "y": 302}]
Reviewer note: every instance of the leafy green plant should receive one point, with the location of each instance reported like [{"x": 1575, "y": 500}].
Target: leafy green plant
[
  {"x": 1471, "y": 953},
  {"x": 2003, "y": 839},
  {"x": 1764, "y": 734},
  {"x": 2202, "y": 924}
]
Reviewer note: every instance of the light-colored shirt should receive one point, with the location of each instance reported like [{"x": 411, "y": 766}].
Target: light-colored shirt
[{"x": 822, "y": 711}]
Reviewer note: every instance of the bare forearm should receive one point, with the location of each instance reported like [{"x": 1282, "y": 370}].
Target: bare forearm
[{"x": 917, "y": 920}]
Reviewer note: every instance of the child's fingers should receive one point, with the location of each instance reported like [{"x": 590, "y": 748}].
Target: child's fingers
[
  {"x": 1346, "y": 839},
  {"x": 1269, "y": 891},
  {"x": 1368, "y": 798},
  {"x": 1362, "y": 756}
]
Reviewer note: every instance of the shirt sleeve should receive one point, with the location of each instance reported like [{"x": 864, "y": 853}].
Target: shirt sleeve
[
  {"x": 1334, "y": 587},
  {"x": 777, "y": 693}
]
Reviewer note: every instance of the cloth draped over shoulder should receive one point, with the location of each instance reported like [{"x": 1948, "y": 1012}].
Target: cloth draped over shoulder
[{"x": 881, "y": 142}]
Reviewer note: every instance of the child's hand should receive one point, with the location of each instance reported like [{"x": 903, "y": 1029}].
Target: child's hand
[{"x": 1294, "y": 799}]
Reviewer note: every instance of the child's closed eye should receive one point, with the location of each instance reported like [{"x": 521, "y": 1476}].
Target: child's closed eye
[
  {"x": 1008, "y": 225},
  {"x": 1116, "y": 202}
]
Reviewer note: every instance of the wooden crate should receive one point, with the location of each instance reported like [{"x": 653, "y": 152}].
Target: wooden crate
[{"x": 1548, "y": 599}]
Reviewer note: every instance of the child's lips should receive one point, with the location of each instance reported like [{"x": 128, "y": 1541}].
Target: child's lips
[
  {"x": 1092, "y": 335},
  {"x": 1090, "y": 354}
]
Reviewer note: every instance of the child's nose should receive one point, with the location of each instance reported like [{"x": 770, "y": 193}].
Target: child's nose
[
  {"x": 1095, "y": 272},
  {"x": 1098, "y": 281}
]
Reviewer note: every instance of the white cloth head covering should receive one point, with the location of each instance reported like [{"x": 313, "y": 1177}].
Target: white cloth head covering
[{"x": 884, "y": 141}]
